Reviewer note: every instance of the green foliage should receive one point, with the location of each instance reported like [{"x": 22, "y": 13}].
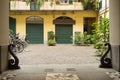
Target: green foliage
[
  {"x": 51, "y": 2},
  {"x": 99, "y": 52},
  {"x": 84, "y": 3},
  {"x": 51, "y": 42},
  {"x": 90, "y": 4},
  {"x": 27, "y": 1},
  {"x": 82, "y": 38},
  {"x": 77, "y": 38},
  {"x": 87, "y": 38},
  {"x": 98, "y": 45},
  {"x": 101, "y": 31},
  {"x": 39, "y": 2},
  {"x": 51, "y": 35},
  {"x": 101, "y": 35},
  {"x": 51, "y": 38}
]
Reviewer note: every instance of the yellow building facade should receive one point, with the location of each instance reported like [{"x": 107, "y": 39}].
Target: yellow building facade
[{"x": 48, "y": 17}]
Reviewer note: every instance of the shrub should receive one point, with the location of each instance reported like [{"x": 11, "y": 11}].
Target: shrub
[
  {"x": 51, "y": 42},
  {"x": 51, "y": 38}
]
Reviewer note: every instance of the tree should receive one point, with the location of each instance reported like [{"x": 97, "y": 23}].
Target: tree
[
  {"x": 90, "y": 4},
  {"x": 102, "y": 30},
  {"x": 101, "y": 35}
]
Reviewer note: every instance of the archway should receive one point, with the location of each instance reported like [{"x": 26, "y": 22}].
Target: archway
[{"x": 64, "y": 29}]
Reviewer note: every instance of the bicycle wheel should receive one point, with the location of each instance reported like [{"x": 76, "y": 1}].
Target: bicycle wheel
[{"x": 20, "y": 47}]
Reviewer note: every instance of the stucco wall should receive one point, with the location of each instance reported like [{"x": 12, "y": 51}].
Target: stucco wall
[{"x": 48, "y": 18}]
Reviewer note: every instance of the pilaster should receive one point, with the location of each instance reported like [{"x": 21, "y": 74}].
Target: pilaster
[{"x": 115, "y": 32}]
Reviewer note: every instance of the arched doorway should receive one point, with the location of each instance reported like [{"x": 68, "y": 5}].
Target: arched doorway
[
  {"x": 34, "y": 29},
  {"x": 64, "y": 29}
]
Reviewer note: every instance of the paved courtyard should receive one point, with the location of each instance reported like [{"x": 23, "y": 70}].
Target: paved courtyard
[
  {"x": 38, "y": 62},
  {"x": 60, "y": 54}
]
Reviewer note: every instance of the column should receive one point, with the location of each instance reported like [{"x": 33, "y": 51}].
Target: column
[
  {"x": 115, "y": 32},
  {"x": 4, "y": 34}
]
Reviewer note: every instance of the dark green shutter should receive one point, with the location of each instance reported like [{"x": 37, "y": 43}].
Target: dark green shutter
[
  {"x": 64, "y": 33},
  {"x": 34, "y": 6},
  {"x": 35, "y": 33},
  {"x": 100, "y": 4},
  {"x": 12, "y": 24},
  {"x": 70, "y": 1}
]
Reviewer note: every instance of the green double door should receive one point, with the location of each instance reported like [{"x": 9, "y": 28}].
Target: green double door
[
  {"x": 64, "y": 33},
  {"x": 34, "y": 33}
]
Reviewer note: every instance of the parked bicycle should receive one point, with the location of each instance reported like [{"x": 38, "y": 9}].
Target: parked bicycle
[
  {"x": 18, "y": 46},
  {"x": 25, "y": 41}
]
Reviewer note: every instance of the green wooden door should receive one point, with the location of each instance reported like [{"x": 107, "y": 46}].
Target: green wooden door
[
  {"x": 12, "y": 24},
  {"x": 34, "y": 33},
  {"x": 64, "y": 33}
]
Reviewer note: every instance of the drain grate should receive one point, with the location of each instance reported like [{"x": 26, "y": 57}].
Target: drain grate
[
  {"x": 49, "y": 70},
  {"x": 71, "y": 69}
]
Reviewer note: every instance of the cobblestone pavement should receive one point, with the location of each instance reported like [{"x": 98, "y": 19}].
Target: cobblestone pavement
[
  {"x": 36, "y": 54},
  {"x": 39, "y": 60}
]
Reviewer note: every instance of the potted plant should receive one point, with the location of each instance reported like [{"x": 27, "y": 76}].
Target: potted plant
[
  {"x": 77, "y": 38},
  {"x": 51, "y": 42},
  {"x": 82, "y": 39},
  {"x": 51, "y": 38}
]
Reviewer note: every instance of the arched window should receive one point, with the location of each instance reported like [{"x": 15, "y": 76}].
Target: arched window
[
  {"x": 64, "y": 20},
  {"x": 34, "y": 19}
]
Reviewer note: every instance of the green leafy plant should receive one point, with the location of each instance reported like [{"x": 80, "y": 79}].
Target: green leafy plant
[
  {"x": 51, "y": 42},
  {"x": 87, "y": 38},
  {"x": 77, "y": 38},
  {"x": 51, "y": 38},
  {"x": 98, "y": 45},
  {"x": 90, "y": 4},
  {"x": 101, "y": 31},
  {"x": 82, "y": 38},
  {"x": 99, "y": 52},
  {"x": 84, "y": 3},
  {"x": 101, "y": 35},
  {"x": 51, "y": 35}
]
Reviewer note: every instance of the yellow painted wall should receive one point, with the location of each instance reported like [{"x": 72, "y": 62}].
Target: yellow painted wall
[
  {"x": 48, "y": 18},
  {"x": 48, "y": 26},
  {"x": 20, "y": 24}
]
